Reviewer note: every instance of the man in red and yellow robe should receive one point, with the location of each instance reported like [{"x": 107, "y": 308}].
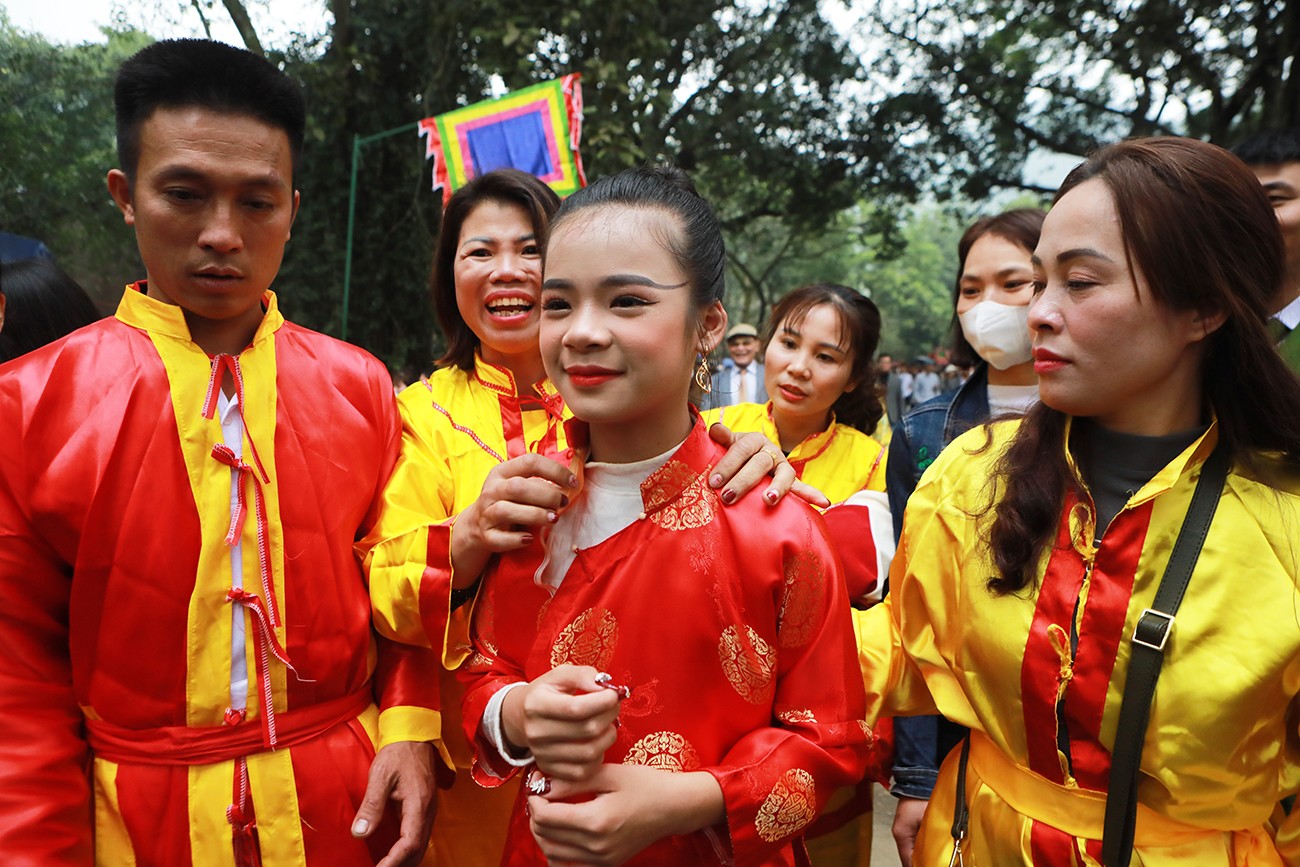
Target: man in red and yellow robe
[{"x": 122, "y": 514}]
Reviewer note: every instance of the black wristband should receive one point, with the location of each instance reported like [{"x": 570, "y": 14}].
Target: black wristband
[{"x": 459, "y": 596}]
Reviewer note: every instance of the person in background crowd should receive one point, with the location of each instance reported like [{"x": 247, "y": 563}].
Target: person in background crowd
[
  {"x": 925, "y": 384},
  {"x": 892, "y": 382},
  {"x": 991, "y": 296},
  {"x": 1032, "y": 550},
  {"x": 740, "y": 377},
  {"x": 906, "y": 384},
  {"x": 39, "y": 303},
  {"x": 1274, "y": 157},
  {"x": 190, "y": 671}
]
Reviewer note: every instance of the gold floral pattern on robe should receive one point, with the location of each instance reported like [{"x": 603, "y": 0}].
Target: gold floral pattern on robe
[
  {"x": 676, "y": 497},
  {"x": 794, "y": 716},
  {"x": 667, "y": 751},
  {"x": 589, "y": 640},
  {"x": 789, "y": 807},
  {"x": 749, "y": 663},
  {"x": 802, "y": 600}
]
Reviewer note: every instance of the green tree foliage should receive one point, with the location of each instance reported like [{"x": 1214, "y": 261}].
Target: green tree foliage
[
  {"x": 56, "y": 134},
  {"x": 976, "y": 87},
  {"x": 748, "y": 97}
]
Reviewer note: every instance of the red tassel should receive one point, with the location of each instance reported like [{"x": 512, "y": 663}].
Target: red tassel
[{"x": 248, "y": 852}]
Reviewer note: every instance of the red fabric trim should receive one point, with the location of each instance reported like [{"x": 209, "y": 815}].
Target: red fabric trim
[
  {"x": 512, "y": 425},
  {"x": 1041, "y": 670},
  {"x": 571, "y": 87},
  {"x": 469, "y": 433},
  {"x": 186, "y": 745},
  {"x": 1051, "y": 847},
  {"x": 1100, "y": 634},
  {"x": 433, "y": 151}
]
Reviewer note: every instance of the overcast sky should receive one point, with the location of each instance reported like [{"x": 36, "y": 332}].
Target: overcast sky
[{"x": 77, "y": 21}]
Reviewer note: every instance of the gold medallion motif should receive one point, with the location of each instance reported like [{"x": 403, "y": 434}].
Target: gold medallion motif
[
  {"x": 749, "y": 663},
  {"x": 588, "y": 640},
  {"x": 478, "y": 662},
  {"x": 868, "y": 731},
  {"x": 801, "y": 602},
  {"x": 667, "y": 751},
  {"x": 789, "y": 807},
  {"x": 795, "y": 717},
  {"x": 676, "y": 497}
]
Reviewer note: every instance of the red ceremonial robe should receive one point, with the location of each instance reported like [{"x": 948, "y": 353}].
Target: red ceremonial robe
[
  {"x": 732, "y": 628},
  {"x": 116, "y": 598}
]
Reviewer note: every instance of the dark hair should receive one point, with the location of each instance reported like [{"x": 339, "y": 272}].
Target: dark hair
[
  {"x": 861, "y": 406},
  {"x": 503, "y": 186},
  {"x": 42, "y": 304},
  {"x": 1269, "y": 147},
  {"x": 698, "y": 247},
  {"x": 178, "y": 73},
  {"x": 1222, "y": 252},
  {"x": 1020, "y": 226}
]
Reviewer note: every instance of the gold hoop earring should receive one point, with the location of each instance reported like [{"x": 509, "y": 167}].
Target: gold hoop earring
[{"x": 702, "y": 377}]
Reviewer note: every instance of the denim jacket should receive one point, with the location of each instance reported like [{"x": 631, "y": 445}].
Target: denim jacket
[{"x": 920, "y": 743}]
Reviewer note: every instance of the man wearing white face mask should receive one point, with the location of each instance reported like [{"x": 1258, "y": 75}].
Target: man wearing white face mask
[{"x": 991, "y": 304}]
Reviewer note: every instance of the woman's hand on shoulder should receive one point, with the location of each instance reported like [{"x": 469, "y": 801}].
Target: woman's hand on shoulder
[
  {"x": 621, "y": 810},
  {"x": 750, "y": 459},
  {"x": 565, "y": 718},
  {"x": 518, "y": 496}
]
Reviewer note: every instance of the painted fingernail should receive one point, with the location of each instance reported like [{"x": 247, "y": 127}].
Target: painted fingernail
[
  {"x": 728, "y": 497},
  {"x": 360, "y": 827},
  {"x": 715, "y": 480},
  {"x": 770, "y": 496},
  {"x": 551, "y": 516},
  {"x": 538, "y": 784},
  {"x": 528, "y": 538},
  {"x": 606, "y": 681},
  {"x": 564, "y": 501},
  {"x": 573, "y": 481}
]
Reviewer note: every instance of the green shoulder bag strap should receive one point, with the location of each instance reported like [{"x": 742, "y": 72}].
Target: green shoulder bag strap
[{"x": 1150, "y": 636}]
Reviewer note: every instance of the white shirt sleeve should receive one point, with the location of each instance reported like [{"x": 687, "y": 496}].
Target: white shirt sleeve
[{"x": 494, "y": 730}]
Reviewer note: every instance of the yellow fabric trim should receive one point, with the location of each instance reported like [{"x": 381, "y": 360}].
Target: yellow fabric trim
[
  {"x": 209, "y": 619},
  {"x": 258, "y": 366},
  {"x": 403, "y": 723},
  {"x": 275, "y": 800},
  {"x": 210, "y": 790},
  {"x": 1077, "y": 812},
  {"x": 207, "y": 688},
  {"x": 112, "y": 843}
]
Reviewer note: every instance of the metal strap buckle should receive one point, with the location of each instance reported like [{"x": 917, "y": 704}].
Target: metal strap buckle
[
  {"x": 957, "y": 859},
  {"x": 1162, "y": 628}
]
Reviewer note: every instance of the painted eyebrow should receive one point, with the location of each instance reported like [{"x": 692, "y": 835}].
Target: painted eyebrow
[
  {"x": 482, "y": 239},
  {"x": 1281, "y": 186},
  {"x": 787, "y": 329},
  {"x": 1075, "y": 253},
  {"x": 613, "y": 281}
]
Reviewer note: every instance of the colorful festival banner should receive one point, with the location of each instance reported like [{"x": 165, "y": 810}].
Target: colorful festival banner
[{"x": 535, "y": 130}]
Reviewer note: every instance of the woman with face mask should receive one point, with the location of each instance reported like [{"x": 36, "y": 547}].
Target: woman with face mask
[{"x": 991, "y": 300}]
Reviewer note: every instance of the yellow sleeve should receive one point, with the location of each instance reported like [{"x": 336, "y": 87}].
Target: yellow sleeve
[{"x": 406, "y": 555}]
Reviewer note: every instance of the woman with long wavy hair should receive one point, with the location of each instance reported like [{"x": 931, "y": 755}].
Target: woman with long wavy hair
[{"x": 1032, "y": 548}]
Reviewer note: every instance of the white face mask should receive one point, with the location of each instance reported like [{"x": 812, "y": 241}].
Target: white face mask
[{"x": 999, "y": 333}]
